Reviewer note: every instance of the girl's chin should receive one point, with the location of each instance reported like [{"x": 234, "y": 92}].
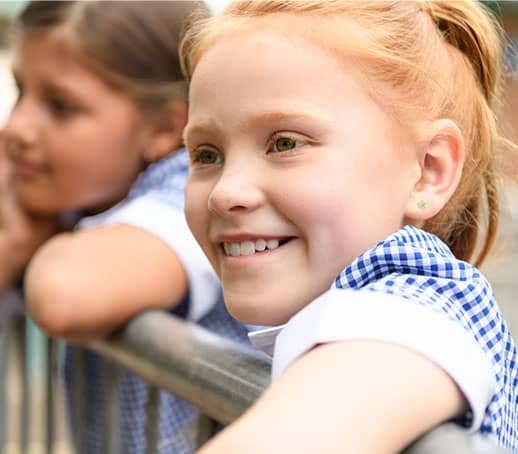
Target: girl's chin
[
  {"x": 39, "y": 208},
  {"x": 47, "y": 208},
  {"x": 254, "y": 314}
]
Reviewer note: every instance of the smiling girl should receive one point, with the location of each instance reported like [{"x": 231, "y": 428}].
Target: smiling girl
[{"x": 341, "y": 156}]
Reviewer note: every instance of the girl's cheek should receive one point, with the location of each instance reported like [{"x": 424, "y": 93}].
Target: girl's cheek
[{"x": 196, "y": 208}]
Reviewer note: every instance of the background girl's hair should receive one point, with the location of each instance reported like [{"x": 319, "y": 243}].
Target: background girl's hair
[
  {"x": 440, "y": 58},
  {"x": 133, "y": 45}
]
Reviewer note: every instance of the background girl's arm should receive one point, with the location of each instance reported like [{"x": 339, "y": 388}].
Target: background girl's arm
[
  {"x": 87, "y": 283},
  {"x": 348, "y": 396}
]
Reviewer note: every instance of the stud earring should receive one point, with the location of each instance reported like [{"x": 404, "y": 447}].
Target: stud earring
[{"x": 422, "y": 204}]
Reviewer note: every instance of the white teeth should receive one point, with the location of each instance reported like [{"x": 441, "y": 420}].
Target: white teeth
[
  {"x": 226, "y": 246},
  {"x": 260, "y": 245},
  {"x": 249, "y": 247},
  {"x": 235, "y": 249},
  {"x": 272, "y": 244}
]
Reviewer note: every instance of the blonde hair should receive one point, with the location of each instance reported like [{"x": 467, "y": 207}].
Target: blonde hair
[{"x": 441, "y": 59}]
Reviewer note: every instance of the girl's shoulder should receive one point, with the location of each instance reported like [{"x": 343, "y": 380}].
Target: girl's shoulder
[{"x": 420, "y": 270}]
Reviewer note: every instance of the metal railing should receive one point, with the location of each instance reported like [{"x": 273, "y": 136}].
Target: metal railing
[
  {"x": 220, "y": 377},
  {"x": 223, "y": 378},
  {"x": 31, "y": 393}
]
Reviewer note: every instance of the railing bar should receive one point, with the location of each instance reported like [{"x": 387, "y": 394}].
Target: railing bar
[
  {"x": 51, "y": 401},
  {"x": 205, "y": 429},
  {"x": 4, "y": 368},
  {"x": 25, "y": 420},
  {"x": 152, "y": 419},
  {"x": 221, "y": 377},
  {"x": 14, "y": 434},
  {"x": 62, "y": 437},
  {"x": 111, "y": 431},
  {"x": 78, "y": 388}
]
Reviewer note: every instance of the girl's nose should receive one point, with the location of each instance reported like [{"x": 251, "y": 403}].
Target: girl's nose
[
  {"x": 236, "y": 192},
  {"x": 20, "y": 127}
]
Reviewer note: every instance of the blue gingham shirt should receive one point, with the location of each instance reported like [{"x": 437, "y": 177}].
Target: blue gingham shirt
[
  {"x": 415, "y": 273},
  {"x": 163, "y": 181}
]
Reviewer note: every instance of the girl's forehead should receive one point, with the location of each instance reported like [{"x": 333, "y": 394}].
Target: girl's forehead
[
  {"x": 59, "y": 43},
  {"x": 256, "y": 53},
  {"x": 269, "y": 73},
  {"x": 342, "y": 38},
  {"x": 61, "y": 37},
  {"x": 296, "y": 54},
  {"x": 52, "y": 53},
  {"x": 47, "y": 63}
]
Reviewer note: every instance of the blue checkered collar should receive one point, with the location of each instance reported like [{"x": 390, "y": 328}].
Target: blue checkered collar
[
  {"x": 159, "y": 174},
  {"x": 409, "y": 250}
]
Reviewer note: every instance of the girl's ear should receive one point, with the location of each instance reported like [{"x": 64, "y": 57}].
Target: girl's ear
[
  {"x": 166, "y": 130},
  {"x": 441, "y": 161}
]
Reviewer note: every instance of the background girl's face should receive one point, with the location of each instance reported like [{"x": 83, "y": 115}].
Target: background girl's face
[
  {"x": 295, "y": 171},
  {"x": 74, "y": 142}
]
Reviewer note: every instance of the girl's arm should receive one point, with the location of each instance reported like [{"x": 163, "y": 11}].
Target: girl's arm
[
  {"x": 87, "y": 283},
  {"x": 348, "y": 396}
]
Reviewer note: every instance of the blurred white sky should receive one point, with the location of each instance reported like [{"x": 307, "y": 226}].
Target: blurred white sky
[{"x": 216, "y": 5}]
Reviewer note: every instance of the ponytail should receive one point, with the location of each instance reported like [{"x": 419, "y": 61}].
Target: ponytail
[{"x": 474, "y": 33}]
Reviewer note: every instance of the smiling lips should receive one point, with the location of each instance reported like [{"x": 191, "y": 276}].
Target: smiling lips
[
  {"x": 26, "y": 168},
  {"x": 249, "y": 247},
  {"x": 22, "y": 165}
]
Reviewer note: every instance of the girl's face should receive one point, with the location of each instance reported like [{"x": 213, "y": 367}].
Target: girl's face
[
  {"x": 74, "y": 142},
  {"x": 295, "y": 171}
]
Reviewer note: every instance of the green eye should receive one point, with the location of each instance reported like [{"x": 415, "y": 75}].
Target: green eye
[
  {"x": 209, "y": 157},
  {"x": 285, "y": 144}
]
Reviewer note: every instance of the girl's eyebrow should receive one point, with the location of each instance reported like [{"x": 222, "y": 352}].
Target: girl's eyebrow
[
  {"x": 57, "y": 88},
  {"x": 210, "y": 126},
  {"x": 280, "y": 116},
  {"x": 193, "y": 129},
  {"x": 49, "y": 86}
]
